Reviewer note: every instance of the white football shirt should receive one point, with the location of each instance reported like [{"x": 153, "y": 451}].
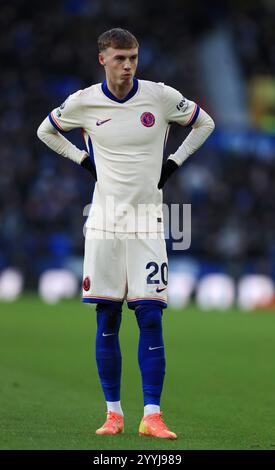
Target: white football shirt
[{"x": 126, "y": 139}]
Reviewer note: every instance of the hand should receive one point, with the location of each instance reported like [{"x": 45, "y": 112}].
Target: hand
[
  {"x": 87, "y": 163},
  {"x": 167, "y": 170}
]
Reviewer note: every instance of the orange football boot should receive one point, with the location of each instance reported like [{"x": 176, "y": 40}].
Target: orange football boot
[
  {"x": 154, "y": 426},
  {"x": 114, "y": 424}
]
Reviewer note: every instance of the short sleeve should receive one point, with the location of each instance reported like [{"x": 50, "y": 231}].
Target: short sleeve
[
  {"x": 178, "y": 108},
  {"x": 69, "y": 115}
]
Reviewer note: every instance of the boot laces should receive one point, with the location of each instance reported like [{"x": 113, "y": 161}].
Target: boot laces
[
  {"x": 157, "y": 419},
  {"x": 112, "y": 417}
]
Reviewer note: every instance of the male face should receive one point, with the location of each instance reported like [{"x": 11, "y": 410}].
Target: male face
[{"x": 120, "y": 64}]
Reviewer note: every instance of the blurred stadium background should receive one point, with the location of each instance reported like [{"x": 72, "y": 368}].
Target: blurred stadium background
[{"x": 220, "y": 54}]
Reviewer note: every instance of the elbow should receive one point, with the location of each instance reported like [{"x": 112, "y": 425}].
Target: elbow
[
  {"x": 39, "y": 133},
  {"x": 210, "y": 126},
  {"x": 205, "y": 121},
  {"x": 44, "y": 130}
]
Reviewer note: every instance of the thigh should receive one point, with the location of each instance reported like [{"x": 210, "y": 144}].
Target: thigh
[
  {"x": 104, "y": 270},
  {"x": 147, "y": 271}
]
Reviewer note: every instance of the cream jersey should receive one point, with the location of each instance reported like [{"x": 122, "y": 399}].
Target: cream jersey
[{"x": 126, "y": 139}]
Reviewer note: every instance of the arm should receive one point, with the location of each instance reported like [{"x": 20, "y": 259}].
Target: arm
[
  {"x": 65, "y": 118},
  {"x": 59, "y": 144},
  {"x": 202, "y": 128},
  {"x": 187, "y": 113}
]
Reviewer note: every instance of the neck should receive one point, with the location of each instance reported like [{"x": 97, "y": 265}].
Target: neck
[{"x": 119, "y": 90}]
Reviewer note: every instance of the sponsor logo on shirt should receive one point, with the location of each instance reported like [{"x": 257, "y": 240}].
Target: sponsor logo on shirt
[
  {"x": 62, "y": 106},
  {"x": 147, "y": 119},
  {"x": 182, "y": 106}
]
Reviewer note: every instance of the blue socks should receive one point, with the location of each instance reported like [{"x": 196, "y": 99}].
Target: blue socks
[
  {"x": 108, "y": 355},
  {"x": 151, "y": 354}
]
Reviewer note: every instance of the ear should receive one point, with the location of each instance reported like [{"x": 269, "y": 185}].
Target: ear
[{"x": 101, "y": 59}]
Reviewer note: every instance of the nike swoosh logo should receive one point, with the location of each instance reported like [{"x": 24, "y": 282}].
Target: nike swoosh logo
[
  {"x": 157, "y": 347},
  {"x": 108, "y": 334},
  {"x": 99, "y": 123},
  {"x": 160, "y": 290}
]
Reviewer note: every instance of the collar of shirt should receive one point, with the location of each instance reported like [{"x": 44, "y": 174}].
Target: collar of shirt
[{"x": 110, "y": 95}]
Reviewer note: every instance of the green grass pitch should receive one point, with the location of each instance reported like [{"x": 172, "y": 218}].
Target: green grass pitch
[{"x": 218, "y": 391}]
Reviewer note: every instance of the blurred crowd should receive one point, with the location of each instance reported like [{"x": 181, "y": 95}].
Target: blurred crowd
[
  {"x": 254, "y": 34},
  {"x": 49, "y": 50}
]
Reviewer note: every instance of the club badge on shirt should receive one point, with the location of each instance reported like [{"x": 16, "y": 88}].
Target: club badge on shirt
[
  {"x": 147, "y": 119},
  {"x": 86, "y": 283}
]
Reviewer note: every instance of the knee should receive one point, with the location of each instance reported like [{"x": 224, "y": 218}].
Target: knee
[
  {"x": 148, "y": 316},
  {"x": 109, "y": 315},
  {"x": 112, "y": 307}
]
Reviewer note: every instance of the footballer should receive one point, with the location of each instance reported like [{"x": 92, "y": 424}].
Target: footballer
[{"x": 125, "y": 123}]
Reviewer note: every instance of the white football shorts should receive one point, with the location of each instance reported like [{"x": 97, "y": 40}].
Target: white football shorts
[{"x": 118, "y": 267}]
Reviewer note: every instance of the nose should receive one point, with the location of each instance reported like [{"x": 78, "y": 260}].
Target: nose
[{"x": 127, "y": 65}]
